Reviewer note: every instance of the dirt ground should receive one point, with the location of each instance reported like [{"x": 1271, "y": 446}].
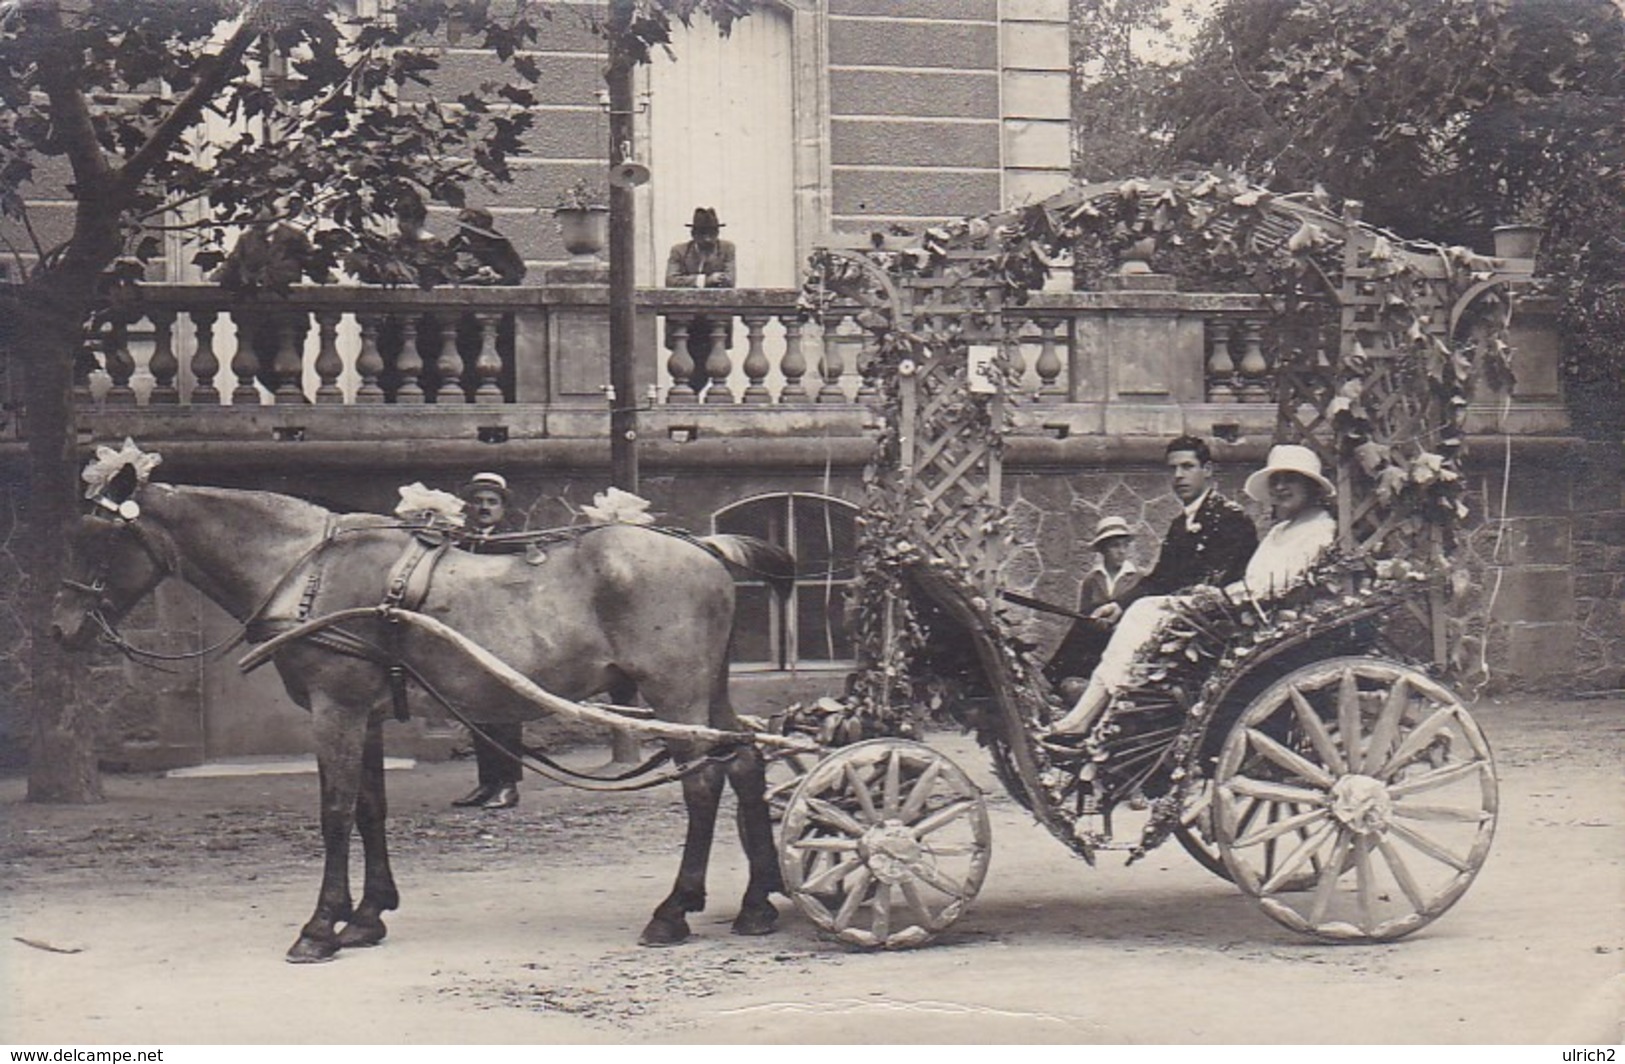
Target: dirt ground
[{"x": 177, "y": 898}]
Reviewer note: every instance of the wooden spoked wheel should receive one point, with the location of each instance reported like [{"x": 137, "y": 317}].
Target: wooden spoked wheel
[
  {"x": 1196, "y": 832},
  {"x": 784, "y": 774},
  {"x": 1355, "y": 800},
  {"x": 885, "y": 843}
]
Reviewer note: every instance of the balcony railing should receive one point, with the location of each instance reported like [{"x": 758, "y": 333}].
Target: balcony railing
[{"x": 196, "y": 360}]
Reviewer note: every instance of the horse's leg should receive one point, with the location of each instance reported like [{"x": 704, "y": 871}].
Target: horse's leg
[
  {"x": 748, "y": 775},
  {"x": 339, "y": 732},
  {"x": 378, "y": 894},
  {"x": 702, "y": 791}
]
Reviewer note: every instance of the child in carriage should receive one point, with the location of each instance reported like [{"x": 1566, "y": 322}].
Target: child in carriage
[{"x": 1297, "y": 492}]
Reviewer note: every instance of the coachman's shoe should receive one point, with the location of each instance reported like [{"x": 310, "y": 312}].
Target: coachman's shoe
[
  {"x": 504, "y": 797},
  {"x": 478, "y": 796}
]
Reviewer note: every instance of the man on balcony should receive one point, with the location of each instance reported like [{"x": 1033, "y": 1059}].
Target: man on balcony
[{"x": 703, "y": 261}]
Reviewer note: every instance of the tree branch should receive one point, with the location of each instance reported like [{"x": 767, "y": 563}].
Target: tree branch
[
  {"x": 70, "y": 111},
  {"x": 190, "y": 107}
]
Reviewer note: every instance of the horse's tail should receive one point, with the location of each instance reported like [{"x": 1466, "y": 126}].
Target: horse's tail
[{"x": 755, "y": 556}]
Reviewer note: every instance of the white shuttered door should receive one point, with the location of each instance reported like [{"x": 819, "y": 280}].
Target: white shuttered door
[{"x": 721, "y": 135}]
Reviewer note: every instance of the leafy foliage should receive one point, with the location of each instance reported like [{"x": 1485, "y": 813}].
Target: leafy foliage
[
  {"x": 1402, "y": 381},
  {"x": 1445, "y": 119}
]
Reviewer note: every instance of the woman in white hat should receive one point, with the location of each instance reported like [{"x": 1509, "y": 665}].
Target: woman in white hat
[{"x": 1296, "y": 491}]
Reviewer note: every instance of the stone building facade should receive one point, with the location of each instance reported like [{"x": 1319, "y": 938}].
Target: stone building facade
[{"x": 818, "y": 116}]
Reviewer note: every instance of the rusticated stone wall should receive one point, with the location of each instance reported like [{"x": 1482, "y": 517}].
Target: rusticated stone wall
[{"x": 1545, "y": 607}]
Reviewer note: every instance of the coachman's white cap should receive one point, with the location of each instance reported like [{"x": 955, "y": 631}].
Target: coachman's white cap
[
  {"x": 487, "y": 482},
  {"x": 1110, "y": 528}
]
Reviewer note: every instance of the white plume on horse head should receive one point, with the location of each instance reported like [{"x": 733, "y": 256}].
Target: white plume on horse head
[{"x": 100, "y": 471}]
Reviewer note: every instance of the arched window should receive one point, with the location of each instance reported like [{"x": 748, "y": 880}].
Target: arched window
[{"x": 809, "y": 628}]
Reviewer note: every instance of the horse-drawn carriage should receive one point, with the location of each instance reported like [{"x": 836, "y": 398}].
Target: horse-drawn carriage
[
  {"x": 1337, "y": 783},
  {"x": 1302, "y": 752}
]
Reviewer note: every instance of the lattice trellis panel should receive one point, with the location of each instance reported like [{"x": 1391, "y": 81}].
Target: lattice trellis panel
[
  {"x": 949, "y": 451},
  {"x": 1404, "y": 415}
]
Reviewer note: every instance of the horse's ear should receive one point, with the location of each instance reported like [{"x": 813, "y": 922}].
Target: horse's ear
[{"x": 123, "y": 484}]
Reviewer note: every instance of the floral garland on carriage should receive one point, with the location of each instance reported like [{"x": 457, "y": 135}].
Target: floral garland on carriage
[{"x": 1150, "y": 746}]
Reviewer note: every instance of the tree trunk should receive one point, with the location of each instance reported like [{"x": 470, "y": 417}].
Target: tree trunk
[{"x": 62, "y": 763}]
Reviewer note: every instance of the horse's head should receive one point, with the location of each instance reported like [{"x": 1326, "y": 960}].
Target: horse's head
[{"x": 113, "y": 563}]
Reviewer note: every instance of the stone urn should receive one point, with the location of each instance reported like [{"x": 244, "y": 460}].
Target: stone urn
[
  {"x": 1517, "y": 241},
  {"x": 585, "y": 231}
]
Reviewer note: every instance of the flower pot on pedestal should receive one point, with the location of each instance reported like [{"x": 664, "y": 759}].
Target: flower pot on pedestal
[
  {"x": 1516, "y": 241},
  {"x": 585, "y": 231}
]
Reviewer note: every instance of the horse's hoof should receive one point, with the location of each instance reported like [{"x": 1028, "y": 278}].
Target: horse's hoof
[
  {"x": 311, "y": 951},
  {"x": 356, "y": 935},
  {"x": 662, "y": 932},
  {"x": 763, "y": 921}
]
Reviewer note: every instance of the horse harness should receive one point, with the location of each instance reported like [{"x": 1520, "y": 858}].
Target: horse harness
[{"x": 407, "y": 587}]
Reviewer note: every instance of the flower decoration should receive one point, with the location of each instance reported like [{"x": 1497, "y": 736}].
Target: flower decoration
[
  {"x": 429, "y": 505},
  {"x": 101, "y": 470},
  {"x": 617, "y": 507}
]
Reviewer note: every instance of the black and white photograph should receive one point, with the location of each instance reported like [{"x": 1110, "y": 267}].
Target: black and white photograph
[{"x": 812, "y": 522}]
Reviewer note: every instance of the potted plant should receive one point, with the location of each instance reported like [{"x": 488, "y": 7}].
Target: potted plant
[
  {"x": 583, "y": 218},
  {"x": 1520, "y": 238}
]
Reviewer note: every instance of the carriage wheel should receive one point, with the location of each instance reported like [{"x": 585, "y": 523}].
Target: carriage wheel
[
  {"x": 784, "y": 774},
  {"x": 1355, "y": 800},
  {"x": 885, "y": 843},
  {"x": 1195, "y": 830}
]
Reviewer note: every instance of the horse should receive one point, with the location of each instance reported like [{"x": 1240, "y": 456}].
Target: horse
[{"x": 602, "y": 608}]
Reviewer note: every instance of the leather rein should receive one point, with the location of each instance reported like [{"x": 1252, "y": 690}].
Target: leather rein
[{"x": 640, "y": 777}]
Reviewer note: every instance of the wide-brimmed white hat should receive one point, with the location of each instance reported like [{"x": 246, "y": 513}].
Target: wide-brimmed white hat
[
  {"x": 1110, "y": 528},
  {"x": 486, "y": 482},
  {"x": 1288, "y": 458}
]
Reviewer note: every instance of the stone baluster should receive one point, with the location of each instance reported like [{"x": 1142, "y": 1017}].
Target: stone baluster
[
  {"x": 868, "y": 368},
  {"x": 1221, "y": 368},
  {"x": 120, "y": 364},
  {"x": 487, "y": 362},
  {"x": 794, "y": 364},
  {"x": 369, "y": 364},
  {"x": 85, "y": 364},
  {"x": 449, "y": 366},
  {"x": 409, "y": 364},
  {"x": 1255, "y": 385},
  {"x": 1049, "y": 364},
  {"x": 718, "y": 366},
  {"x": 205, "y": 363},
  {"x": 328, "y": 363},
  {"x": 679, "y": 364},
  {"x": 245, "y": 363},
  {"x": 288, "y": 365},
  {"x": 830, "y": 364},
  {"x": 163, "y": 365},
  {"x": 756, "y": 364}
]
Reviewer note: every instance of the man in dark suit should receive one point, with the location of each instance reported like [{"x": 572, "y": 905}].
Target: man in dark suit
[
  {"x": 498, "y": 746},
  {"x": 1209, "y": 543},
  {"x": 703, "y": 261}
]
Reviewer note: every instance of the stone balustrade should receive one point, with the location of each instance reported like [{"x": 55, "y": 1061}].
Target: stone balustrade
[{"x": 359, "y": 362}]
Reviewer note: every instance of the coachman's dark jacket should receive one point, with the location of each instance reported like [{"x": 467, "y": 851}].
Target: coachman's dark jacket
[{"x": 1212, "y": 549}]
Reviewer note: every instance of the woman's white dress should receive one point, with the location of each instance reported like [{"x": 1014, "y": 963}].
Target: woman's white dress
[{"x": 1281, "y": 561}]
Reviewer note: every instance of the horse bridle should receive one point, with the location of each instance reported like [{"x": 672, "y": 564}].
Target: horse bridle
[{"x": 124, "y": 520}]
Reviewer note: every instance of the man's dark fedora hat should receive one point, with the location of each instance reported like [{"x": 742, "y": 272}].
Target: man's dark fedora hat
[{"x": 705, "y": 218}]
